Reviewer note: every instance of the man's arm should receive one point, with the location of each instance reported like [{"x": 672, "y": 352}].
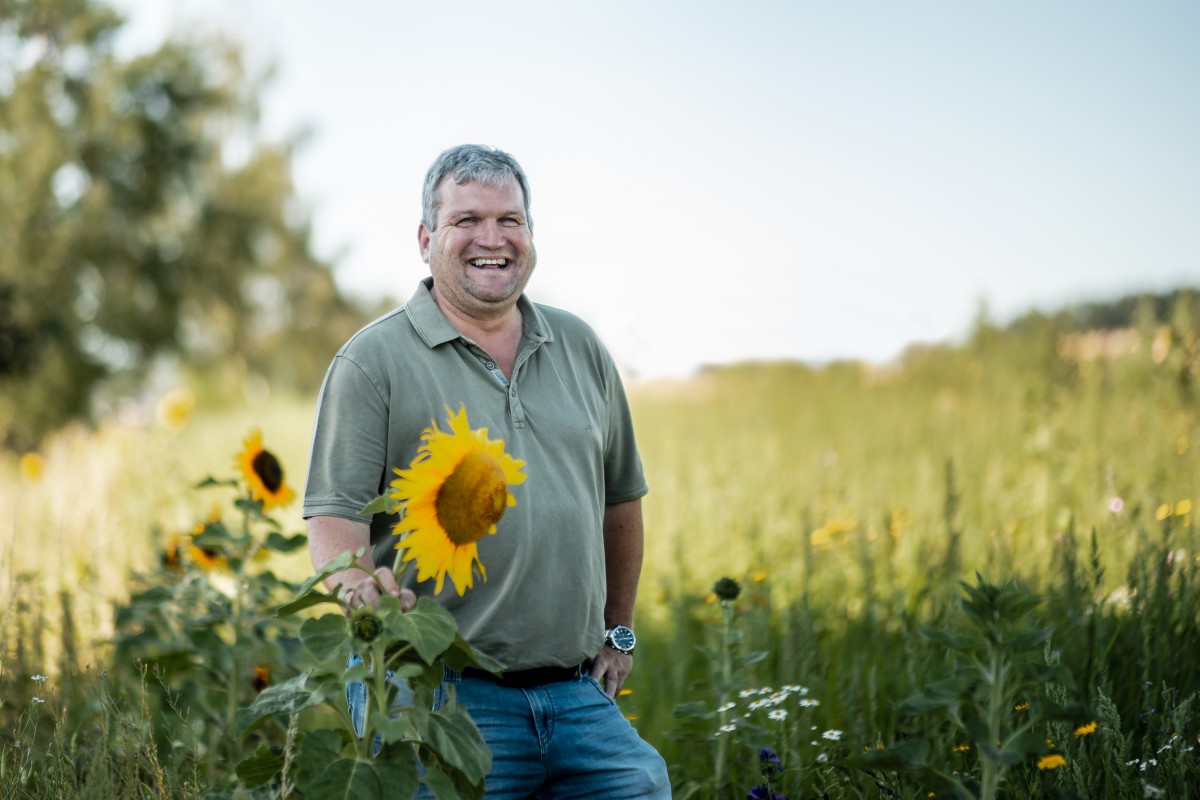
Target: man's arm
[
  {"x": 623, "y": 568},
  {"x": 328, "y": 538}
]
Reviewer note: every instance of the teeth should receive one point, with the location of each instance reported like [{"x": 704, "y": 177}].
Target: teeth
[{"x": 496, "y": 262}]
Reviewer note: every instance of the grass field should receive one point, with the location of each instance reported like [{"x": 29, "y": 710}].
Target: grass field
[{"x": 849, "y": 504}]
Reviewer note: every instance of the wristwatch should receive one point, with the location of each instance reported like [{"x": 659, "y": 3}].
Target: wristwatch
[{"x": 621, "y": 639}]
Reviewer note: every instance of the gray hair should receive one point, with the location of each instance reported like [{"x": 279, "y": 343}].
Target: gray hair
[{"x": 466, "y": 163}]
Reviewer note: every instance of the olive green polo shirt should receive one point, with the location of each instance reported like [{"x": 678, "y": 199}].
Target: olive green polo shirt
[{"x": 563, "y": 411}]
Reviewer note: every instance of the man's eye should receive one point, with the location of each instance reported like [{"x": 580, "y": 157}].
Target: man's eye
[
  {"x": 465, "y": 221},
  {"x": 511, "y": 222}
]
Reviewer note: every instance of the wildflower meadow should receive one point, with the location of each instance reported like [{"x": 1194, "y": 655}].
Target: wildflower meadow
[{"x": 971, "y": 573}]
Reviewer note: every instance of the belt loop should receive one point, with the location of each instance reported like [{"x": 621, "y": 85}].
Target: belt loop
[{"x": 452, "y": 676}]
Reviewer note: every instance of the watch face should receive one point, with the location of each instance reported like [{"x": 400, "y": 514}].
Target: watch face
[{"x": 622, "y": 638}]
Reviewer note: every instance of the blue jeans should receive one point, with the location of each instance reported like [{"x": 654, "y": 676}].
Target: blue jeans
[{"x": 555, "y": 741}]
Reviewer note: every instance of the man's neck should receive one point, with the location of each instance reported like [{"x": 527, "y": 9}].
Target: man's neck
[{"x": 504, "y": 323}]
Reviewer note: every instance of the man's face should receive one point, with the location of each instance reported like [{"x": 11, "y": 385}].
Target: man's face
[{"x": 481, "y": 252}]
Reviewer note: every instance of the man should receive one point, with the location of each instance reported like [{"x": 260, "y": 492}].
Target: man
[{"x": 562, "y": 570}]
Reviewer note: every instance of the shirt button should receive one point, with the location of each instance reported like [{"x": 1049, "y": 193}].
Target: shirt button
[
  {"x": 513, "y": 392},
  {"x": 490, "y": 365}
]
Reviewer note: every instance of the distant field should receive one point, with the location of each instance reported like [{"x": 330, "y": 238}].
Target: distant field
[{"x": 846, "y": 501}]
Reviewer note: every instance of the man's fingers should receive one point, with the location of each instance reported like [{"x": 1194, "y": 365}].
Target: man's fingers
[
  {"x": 367, "y": 591},
  {"x": 387, "y": 580},
  {"x": 407, "y": 600},
  {"x": 609, "y": 669}
]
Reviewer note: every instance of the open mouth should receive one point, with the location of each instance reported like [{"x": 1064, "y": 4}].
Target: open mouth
[{"x": 489, "y": 262}]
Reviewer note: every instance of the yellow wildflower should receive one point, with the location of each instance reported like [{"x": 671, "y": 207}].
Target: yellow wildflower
[
  {"x": 1052, "y": 761},
  {"x": 32, "y": 466}
]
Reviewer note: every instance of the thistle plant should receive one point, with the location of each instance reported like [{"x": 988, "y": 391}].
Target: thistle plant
[
  {"x": 714, "y": 723},
  {"x": 995, "y": 698}
]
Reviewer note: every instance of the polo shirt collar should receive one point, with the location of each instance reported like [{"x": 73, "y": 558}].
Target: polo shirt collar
[{"x": 434, "y": 329}]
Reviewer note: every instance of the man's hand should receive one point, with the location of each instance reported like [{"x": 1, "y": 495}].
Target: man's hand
[
  {"x": 330, "y": 537},
  {"x": 611, "y": 667},
  {"x": 367, "y": 592}
]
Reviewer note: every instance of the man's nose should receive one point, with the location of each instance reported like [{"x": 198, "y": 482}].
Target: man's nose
[{"x": 490, "y": 234}]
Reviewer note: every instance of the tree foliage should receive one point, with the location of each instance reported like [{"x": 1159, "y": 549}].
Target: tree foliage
[{"x": 141, "y": 218}]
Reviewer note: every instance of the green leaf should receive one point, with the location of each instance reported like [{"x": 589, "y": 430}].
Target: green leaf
[
  {"x": 210, "y": 481},
  {"x": 285, "y": 544},
  {"x": 461, "y": 654},
  {"x": 391, "y": 728},
  {"x": 428, "y": 626},
  {"x": 441, "y": 784},
  {"x": 262, "y": 767},
  {"x": 323, "y": 772},
  {"x": 1005, "y": 757},
  {"x": 946, "y": 693},
  {"x": 907, "y": 754},
  {"x": 453, "y": 735},
  {"x": 693, "y": 710},
  {"x": 1029, "y": 742},
  {"x": 379, "y": 505},
  {"x": 254, "y": 508},
  {"x": 306, "y": 600},
  {"x": 325, "y": 636},
  {"x": 286, "y": 698},
  {"x": 1032, "y": 638},
  {"x": 309, "y": 595},
  {"x": 750, "y": 659},
  {"x": 954, "y": 641}
]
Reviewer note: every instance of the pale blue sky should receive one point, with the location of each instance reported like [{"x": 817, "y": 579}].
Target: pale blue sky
[{"x": 719, "y": 181}]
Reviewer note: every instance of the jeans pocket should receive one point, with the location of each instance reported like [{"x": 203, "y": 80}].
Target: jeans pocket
[
  {"x": 596, "y": 684},
  {"x": 439, "y": 697}
]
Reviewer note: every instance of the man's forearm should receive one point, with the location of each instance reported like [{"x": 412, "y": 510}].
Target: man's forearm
[
  {"x": 329, "y": 537},
  {"x": 623, "y": 560}
]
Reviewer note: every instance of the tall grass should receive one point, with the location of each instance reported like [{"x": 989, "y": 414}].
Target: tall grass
[{"x": 849, "y": 502}]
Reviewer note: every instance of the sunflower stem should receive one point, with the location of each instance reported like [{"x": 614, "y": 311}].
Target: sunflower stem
[
  {"x": 239, "y": 602},
  {"x": 380, "y": 693}
]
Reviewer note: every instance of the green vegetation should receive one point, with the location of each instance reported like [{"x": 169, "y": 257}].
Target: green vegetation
[
  {"x": 144, "y": 224},
  {"x": 851, "y": 506}
]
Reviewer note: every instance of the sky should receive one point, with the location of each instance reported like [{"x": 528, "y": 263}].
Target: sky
[{"x": 716, "y": 182}]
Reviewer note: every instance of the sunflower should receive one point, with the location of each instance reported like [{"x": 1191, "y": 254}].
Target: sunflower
[
  {"x": 172, "y": 555},
  {"x": 263, "y": 474},
  {"x": 207, "y": 558},
  {"x": 453, "y": 494}
]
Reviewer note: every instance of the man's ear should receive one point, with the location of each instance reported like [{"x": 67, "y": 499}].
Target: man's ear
[{"x": 424, "y": 238}]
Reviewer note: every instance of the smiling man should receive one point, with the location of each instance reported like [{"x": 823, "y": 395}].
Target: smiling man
[{"x": 563, "y": 568}]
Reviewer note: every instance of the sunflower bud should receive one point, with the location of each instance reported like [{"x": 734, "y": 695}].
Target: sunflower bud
[
  {"x": 727, "y": 589},
  {"x": 365, "y": 624}
]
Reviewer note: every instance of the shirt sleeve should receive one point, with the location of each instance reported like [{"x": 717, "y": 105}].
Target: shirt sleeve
[
  {"x": 349, "y": 452},
  {"x": 624, "y": 478}
]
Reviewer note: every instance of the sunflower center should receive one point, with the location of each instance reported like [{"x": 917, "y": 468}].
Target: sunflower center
[
  {"x": 472, "y": 499},
  {"x": 268, "y": 470}
]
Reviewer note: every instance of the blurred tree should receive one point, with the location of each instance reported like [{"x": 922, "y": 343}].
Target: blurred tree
[{"x": 141, "y": 217}]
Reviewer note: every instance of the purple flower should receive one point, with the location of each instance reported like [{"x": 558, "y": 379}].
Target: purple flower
[
  {"x": 763, "y": 793},
  {"x": 768, "y": 762}
]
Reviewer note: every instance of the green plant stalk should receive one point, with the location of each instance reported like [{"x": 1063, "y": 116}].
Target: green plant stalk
[
  {"x": 993, "y": 770},
  {"x": 723, "y": 691},
  {"x": 239, "y": 590}
]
